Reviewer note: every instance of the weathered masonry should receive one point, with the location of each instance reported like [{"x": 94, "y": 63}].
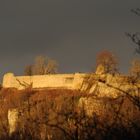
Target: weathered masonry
[
  {"x": 74, "y": 82},
  {"x": 68, "y": 81}
]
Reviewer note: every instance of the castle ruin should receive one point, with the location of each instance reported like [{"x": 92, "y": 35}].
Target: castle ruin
[
  {"x": 107, "y": 84},
  {"x": 67, "y": 81}
]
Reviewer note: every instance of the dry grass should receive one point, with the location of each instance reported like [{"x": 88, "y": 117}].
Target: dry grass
[{"x": 54, "y": 113}]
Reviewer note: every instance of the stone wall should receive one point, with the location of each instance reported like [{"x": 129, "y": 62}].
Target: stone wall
[{"x": 68, "y": 81}]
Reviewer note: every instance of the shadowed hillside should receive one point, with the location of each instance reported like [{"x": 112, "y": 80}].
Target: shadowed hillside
[
  {"x": 59, "y": 114},
  {"x": 104, "y": 105}
]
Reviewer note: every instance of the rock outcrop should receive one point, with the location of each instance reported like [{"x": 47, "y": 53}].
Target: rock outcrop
[
  {"x": 12, "y": 120},
  {"x": 100, "y": 70}
]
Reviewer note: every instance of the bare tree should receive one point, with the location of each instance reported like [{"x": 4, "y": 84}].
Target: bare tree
[
  {"x": 135, "y": 37},
  {"x": 135, "y": 68},
  {"x": 136, "y": 11},
  {"x": 43, "y": 65},
  {"x": 108, "y": 61},
  {"x": 28, "y": 70},
  {"x": 51, "y": 67},
  {"x": 40, "y": 65}
]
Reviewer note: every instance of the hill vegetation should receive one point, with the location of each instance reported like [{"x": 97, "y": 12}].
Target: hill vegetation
[
  {"x": 59, "y": 114},
  {"x": 63, "y": 114}
]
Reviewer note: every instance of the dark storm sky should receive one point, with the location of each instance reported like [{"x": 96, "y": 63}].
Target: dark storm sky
[{"x": 70, "y": 31}]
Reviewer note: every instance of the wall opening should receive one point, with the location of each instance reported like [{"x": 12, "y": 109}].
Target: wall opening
[{"x": 69, "y": 80}]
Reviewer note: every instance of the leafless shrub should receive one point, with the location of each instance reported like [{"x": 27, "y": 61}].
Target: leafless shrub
[
  {"x": 108, "y": 61},
  {"x": 135, "y": 68},
  {"x": 43, "y": 65},
  {"x": 135, "y": 37},
  {"x": 55, "y": 114}
]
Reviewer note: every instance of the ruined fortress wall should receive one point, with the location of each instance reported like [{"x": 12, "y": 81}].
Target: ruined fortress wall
[{"x": 69, "y": 81}]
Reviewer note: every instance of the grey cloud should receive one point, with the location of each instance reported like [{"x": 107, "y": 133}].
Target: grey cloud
[{"x": 71, "y": 31}]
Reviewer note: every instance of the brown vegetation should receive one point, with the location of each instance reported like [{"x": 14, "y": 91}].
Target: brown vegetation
[
  {"x": 135, "y": 37},
  {"x": 135, "y": 68},
  {"x": 55, "y": 114},
  {"x": 58, "y": 114},
  {"x": 108, "y": 61},
  {"x": 41, "y": 66}
]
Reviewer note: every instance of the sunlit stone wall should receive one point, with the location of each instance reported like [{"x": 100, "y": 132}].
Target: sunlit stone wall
[{"x": 69, "y": 81}]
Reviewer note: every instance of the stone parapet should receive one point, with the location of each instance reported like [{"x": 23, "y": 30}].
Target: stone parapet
[{"x": 77, "y": 81}]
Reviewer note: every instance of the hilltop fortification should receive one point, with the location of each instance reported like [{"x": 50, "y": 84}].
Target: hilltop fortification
[
  {"x": 105, "y": 84},
  {"x": 67, "y": 81}
]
